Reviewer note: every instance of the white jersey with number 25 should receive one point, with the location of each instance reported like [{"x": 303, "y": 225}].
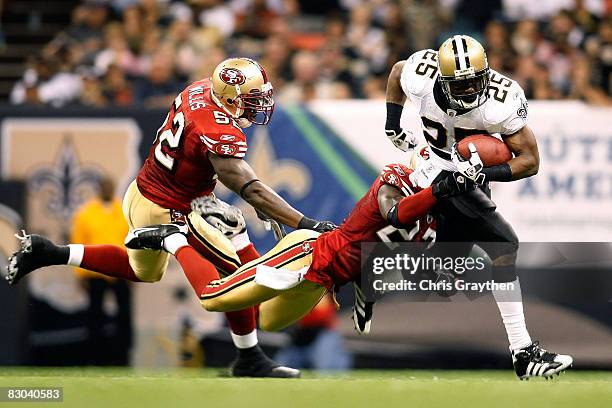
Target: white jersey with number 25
[{"x": 503, "y": 113}]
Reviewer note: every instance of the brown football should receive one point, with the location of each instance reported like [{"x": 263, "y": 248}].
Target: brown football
[{"x": 492, "y": 151}]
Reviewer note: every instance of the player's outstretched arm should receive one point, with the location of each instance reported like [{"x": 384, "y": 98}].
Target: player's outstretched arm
[
  {"x": 401, "y": 211},
  {"x": 238, "y": 176},
  {"x": 525, "y": 148}
]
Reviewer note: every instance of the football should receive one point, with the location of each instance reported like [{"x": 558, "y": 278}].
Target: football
[{"x": 492, "y": 151}]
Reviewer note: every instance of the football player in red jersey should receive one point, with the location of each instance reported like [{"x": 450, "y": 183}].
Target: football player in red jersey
[
  {"x": 200, "y": 141},
  {"x": 288, "y": 281}
]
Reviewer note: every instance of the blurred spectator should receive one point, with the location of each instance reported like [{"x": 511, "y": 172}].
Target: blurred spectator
[
  {"x": 345, "y": 46},
  {"x": 582, "y": 86},
  {"x": 275, "y": 59},
  {"x": 116, "y": 89},
  {"x": 116, "y": 51},
  {"x": 42, "y": 83},
  {"x": 308, "y": 83},
  {"x": 214, "y": 14},
  {"x": 367, "y": 40},
  {"x": 91, "y": 92},
  {"x": 160, "y": 86},
  {"x": 88, "y": 20},
  {"x": 133, "y": 27},
  {"x": 99, "y": 222},
  {"x": 315, "y": 343},
  {"x": 498, "y": 47},
  {"x": 255, "y": 17}
]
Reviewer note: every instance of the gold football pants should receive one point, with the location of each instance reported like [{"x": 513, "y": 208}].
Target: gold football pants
[{"x": 278, "y": 308}]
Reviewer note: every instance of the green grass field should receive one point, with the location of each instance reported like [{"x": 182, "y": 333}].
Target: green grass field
[{"x": 91, "y": 387}]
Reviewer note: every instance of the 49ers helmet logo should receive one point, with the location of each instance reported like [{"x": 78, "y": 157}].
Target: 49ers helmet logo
[{"x": 232, "y": 76}]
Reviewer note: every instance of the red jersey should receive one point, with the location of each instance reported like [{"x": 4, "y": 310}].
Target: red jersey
[
  {"x": 337, "y": 254},
  {"x": 178, "y": 169}
]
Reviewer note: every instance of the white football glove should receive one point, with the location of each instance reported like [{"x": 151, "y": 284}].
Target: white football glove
[
  {"x": 362, "y": 312},
  {"x": 470, "y": 168},
  {"x": 226, "y": 218},
  {"x": 404, "y": 140}
]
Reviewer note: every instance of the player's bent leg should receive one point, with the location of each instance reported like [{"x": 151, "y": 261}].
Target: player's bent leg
[
  {"x": 290, "y": 306},
  {"x": 291, "y": 254},
  {"x": 236, "y": 298},
  {"x": 37, "y": 252},
  {"x": 227, "y": 255},
  {"x": 212, "y": 244},
  {"x": 148, "y": 266}
]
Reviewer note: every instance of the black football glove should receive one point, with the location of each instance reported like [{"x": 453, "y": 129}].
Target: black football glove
[
  {"x": 453, "y": 184},
  {"x": 319, "y": 226}
]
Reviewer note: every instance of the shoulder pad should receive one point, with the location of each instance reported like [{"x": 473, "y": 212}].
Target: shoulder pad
[
  {"x": 506, "y": 108},
  {"x": 420, "y": 72},
  {"x": 396, "y": 175},
  {"x": 219, "y": 134}
]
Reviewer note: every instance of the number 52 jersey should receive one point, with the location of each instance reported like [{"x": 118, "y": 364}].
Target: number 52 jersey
[
  {"x": 178, "y": 169},
  {"x": 503, "y": 113}
]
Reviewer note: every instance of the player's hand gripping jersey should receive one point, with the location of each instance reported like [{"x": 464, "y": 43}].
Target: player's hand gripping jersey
[
  {"x": 178, "y": 169},
  {"x": 337, "y": 254},
  {"x": 504, "y": 112}
]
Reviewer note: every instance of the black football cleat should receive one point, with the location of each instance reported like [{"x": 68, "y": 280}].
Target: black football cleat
[
  {"x": 534, "y": 361},
  {"x": 36, "y": 252},
  {"x": 153, "y": 237},
  {"x": 253, "y": 362},
  {"x": 362, "y": 312}
]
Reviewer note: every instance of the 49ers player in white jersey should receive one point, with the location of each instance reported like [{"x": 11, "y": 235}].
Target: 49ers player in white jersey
[
  {"x": 199, "y": 142},
  {"x": 456, "y": 94}
]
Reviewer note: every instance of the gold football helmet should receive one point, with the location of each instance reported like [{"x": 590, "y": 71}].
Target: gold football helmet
[
  {"x": 241, "y": 88},
  {"x": 464, "y": 72}
]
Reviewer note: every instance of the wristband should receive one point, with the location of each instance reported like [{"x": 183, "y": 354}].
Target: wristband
[
  {"x": 306, "y": 223},
  {"x": 501, "y": 172},
  {"x": 394, "y": 114},
  {"x": 244, "y": 187}
]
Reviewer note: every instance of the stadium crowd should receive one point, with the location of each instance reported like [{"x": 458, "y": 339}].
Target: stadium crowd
[{"x": 141, "y": 52}]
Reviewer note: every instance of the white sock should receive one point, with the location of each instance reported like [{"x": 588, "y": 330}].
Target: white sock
[
  {"x": 241, "y": 241},
  {"x": 246, "y": 341},
  {"x": 510, "y": 305},
  {"x": 76, "y": 254},
  {"x": 173, "y": 242}
]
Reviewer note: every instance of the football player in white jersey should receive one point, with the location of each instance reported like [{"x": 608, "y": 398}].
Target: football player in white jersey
[{"x": 456, "y": 95}]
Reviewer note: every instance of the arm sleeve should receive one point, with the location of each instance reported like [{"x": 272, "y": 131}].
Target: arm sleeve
[{"x": 415, "y": 206}]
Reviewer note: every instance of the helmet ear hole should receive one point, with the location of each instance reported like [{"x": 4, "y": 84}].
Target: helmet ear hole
[{"x": 230, "y": 100}]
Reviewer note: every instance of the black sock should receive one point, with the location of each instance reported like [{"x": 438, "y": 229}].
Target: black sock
[{"x": 60, "y": 256}]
